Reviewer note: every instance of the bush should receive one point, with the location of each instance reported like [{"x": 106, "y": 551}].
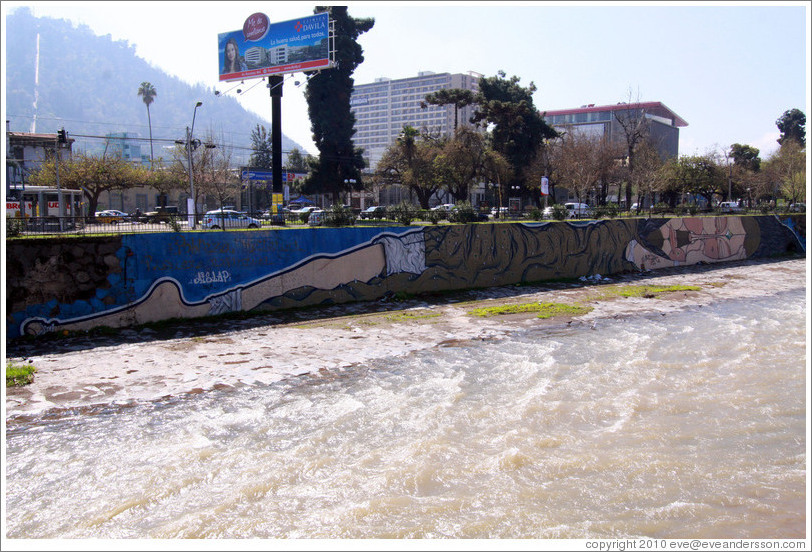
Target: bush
[
  {"x": 404, "y": 213},
  {"x": 609, "y": 211},
  {"x": 14, "y": 227},
  {"x": 766, "y": 208},
  {"x": 303, "y": 217},
  {"x": 339, "y": 215},
  {"x": 463, "y": 212},
  {"x": 433, "y": 217},
  {"x": 535, "y": 214},
  {"x": 560, "y": 212},
  {"x": 174, "y": 223}
]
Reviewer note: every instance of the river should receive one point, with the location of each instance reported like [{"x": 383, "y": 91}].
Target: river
[{"x": 690, "y": 425}]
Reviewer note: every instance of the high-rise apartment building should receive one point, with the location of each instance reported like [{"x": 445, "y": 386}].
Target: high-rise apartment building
[{"x": 382, "y": 108}]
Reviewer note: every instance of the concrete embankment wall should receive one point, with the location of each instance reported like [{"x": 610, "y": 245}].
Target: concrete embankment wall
[{"x": 86, "y": 282}]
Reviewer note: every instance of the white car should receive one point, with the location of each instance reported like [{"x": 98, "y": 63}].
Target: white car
[
  {"x": 447, "y": 207},
  {"x": 797, "y": 208},
  {"x": 730, "y": 207},
  {"x": 228, "y": 219},
  {"x": 578, "y": 210}
]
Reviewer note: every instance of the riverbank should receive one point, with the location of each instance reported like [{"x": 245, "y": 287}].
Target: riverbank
[{"x": 195, "y": 356}]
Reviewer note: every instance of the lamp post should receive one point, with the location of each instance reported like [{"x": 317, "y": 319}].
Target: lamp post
[{"x": 191, "y": 206}]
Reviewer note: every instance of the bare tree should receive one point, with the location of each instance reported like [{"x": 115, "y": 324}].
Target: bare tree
[
  {"x": 580, "y": 161},
  {"x": 635, "y": 130}
]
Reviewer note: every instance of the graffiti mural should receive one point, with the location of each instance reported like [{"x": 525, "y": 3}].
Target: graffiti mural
[{"x": 187, "y": 275}]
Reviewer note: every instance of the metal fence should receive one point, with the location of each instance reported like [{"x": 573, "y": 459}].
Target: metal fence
[{"x": 55, "y": 226}]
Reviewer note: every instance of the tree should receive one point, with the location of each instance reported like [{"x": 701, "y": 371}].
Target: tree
[
  {"x": 792, "y": 125},
  {"x": 261, "y": 146},
  {"x": 635, "y": 131},
  {"x": 214, "y": 176},
  {"x": 786, "y": 172},
  {"x": 409, "y": 162},
  {"x": 517, "y": 127},
  {"x": 93, "y": 175},
  {"x": 696, "y": 175},
  {"x": 148, "y": 93},
  {"x": 328, "y": 96},
  {"x": 745, "y": 157},
  {"x": 580, "y": 161},
  {"x": 649, "y": 175},
  {"x": 461, "y": 162},
  {"x": 296, "y": 162},
  {"x": 458, "y": 97}
]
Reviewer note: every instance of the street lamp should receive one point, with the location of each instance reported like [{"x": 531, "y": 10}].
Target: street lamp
[{"x": 191, "y": 205}]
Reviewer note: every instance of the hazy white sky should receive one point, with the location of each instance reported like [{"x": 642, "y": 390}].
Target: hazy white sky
[{"x": 729, "y": 69}]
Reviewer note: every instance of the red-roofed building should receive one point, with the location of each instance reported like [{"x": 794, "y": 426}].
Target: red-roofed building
[{"x": 602, "y": 120}]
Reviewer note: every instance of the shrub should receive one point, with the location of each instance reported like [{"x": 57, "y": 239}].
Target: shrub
[
  {"x": 766, "y": 207},
  {"x": 463, "y": 212},
  {"x": 433, "y": 217},
  {"x": 404, "y": 213},
  {"x": 339, "y": 215},
  {"x": 303, "y": 217},
  {"x": 535, "y": 214},
  {"x": 14, "y": 227},
  {"x": 560, "y": 212},
  {"x": 174, "y": 223},
  {"x": 609, "y": 210}
]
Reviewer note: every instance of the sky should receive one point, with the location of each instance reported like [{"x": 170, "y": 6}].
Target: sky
[{"x": 729, "y": 69}]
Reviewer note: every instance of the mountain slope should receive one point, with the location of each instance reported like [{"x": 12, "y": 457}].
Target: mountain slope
[{"x": 88, "y": 84}]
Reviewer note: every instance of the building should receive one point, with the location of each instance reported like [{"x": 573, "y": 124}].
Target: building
[
  {"x": 25, "y": 153},
  {"x": 127, "y": 146},
  {"x": 662, "y": 124},
  {"x": 382, "y": 108}
]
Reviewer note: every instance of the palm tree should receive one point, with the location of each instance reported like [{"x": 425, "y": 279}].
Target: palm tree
[{"x": 148, "y": 93}]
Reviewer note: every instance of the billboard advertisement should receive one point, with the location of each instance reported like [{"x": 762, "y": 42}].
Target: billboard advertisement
[{"x": 262, "y": 48}]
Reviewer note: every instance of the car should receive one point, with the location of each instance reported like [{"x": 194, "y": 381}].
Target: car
[
  {"x": 228, "y": 219},
  {"x": 730, "y": 207},
  {"x": 797, "y": 208},
  {"x": 111, "y": 216},
  {"x": 316, "y": 217},
  {"x": 578, "y": 210},
  {"x": 276, "y": 216},
  {"x": 373, "y": 212},
  {"x": 447, "y": 207},
  {"x": 499, "y": 212}
]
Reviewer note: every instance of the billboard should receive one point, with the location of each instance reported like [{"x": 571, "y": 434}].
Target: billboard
[{"x": 262, "y": 48}]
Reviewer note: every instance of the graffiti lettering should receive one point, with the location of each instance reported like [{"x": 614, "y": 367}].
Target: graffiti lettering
[{"x": 212, "y": 277}]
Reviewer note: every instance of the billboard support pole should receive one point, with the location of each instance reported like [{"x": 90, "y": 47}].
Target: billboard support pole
[{"x": 275, "y": 84}]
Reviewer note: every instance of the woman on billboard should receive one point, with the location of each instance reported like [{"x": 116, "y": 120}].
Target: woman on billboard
[{"x": 232, "y": 62}]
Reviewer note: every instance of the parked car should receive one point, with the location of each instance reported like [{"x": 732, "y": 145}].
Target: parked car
[
  {"x": 316, "y": 217},
  {"x": 447, "y": 207},
  {"x": 578, "y": 210},
  {"x": 228, "y": 219},
  {"x": 374, "y": 212},
  {"x": 730, "y": 207},
  {"x": 499, "y": 212},
  {"x": 797, "y": 208},
  {"x": 111, "y": 216},
  {"x": 161, "y": 214}
]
